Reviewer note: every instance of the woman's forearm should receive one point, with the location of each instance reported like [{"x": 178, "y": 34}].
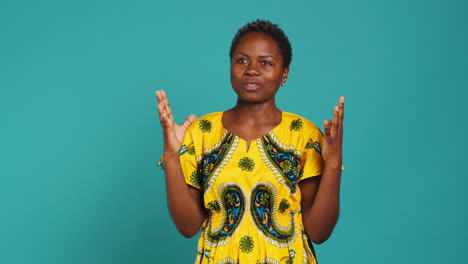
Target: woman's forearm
[
  {"x": 320, "y": 219},
  {"x": 185, "y": 203}
]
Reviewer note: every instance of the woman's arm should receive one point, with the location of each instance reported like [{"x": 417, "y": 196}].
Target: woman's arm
[
  {"x": 185, "y": 203},
  {"x": 321, "y": 195},
  {"x": 320, "y": 204}
]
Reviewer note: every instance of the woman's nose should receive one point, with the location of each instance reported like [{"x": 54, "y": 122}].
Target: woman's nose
[{"x": 252, "y": 69}]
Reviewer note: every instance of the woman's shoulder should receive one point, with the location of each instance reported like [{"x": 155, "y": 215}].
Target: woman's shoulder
[
  {"x": 215, "y": 116},
  {"x": 297, "y": 122},
  {"x": 208, "y": 123}
]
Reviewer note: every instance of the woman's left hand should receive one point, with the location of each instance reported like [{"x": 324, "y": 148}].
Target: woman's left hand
[
  {"x": 333, "y": 138},
  {"x": 321, "y": 196}
]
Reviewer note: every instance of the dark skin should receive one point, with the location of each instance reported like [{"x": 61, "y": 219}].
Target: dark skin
[{"x": 257, "y": 72}]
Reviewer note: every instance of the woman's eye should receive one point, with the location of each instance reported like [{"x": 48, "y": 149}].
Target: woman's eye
[
  {"x": 266, "y": 63},
  {"x": 241, "y": 60}
]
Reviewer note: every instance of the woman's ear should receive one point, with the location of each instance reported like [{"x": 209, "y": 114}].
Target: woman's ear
[{"x": 285, "y": 76}]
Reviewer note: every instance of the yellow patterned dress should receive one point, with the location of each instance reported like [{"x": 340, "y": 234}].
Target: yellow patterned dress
[{"x": 252, "y": 195}]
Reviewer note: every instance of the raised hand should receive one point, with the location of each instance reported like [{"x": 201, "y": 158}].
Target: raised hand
[
  {"x": 333, "y": 139},
  {"x": 173, "y": 134}
]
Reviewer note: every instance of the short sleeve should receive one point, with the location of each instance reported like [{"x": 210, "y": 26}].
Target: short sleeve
[
  {"x": 188, "y": 161},
  {"x": 312, "y": 160}
]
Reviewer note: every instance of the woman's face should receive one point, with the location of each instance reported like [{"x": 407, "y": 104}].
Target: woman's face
[{"x": 257, "y": 68}]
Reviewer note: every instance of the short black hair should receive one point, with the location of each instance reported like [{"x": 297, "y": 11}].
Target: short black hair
[{"x": 267, "y": 28}]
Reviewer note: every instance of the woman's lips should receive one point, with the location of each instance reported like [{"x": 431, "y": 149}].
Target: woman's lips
[{"x": 251, "y": 86}]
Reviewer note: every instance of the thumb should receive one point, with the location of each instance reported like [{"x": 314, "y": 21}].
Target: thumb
[
  {"x": 188, "y": 121},
  {"x": 327, "y": 129}
]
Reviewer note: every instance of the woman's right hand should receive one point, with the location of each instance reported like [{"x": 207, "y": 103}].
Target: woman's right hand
[
  {"x": 173, "y": 134},
  {"x": 185, "y": 203}
]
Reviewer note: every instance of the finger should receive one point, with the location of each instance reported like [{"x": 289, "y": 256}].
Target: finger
[
  {"x": 341, "y": 110},
  {"x": 162, "y": 110},
  {"x": 166, "y": 105},
  {"x": 158, "y": 95},
  {"x": 188, "y": 121},
  {"x": 163, "y": 118},
  {"x": 327, "y": 129},
  {"x": 336, "y": 120},
  {"x": 159, "y": 105}
]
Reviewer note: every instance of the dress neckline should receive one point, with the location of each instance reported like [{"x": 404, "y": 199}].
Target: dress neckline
[{"x": 256, "y": 139}]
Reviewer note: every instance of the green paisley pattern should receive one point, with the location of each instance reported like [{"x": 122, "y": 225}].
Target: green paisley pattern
[
  {"x": 263, "y": 210},
  {"x": 251, "y": 197},
  {"x": 285, "y": 162},
  {"x": 231, "y": 200},
  {"x": 213, "y": 160}
]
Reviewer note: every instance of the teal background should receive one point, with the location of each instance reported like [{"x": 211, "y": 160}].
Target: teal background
[{"x": 80, "y": 137}]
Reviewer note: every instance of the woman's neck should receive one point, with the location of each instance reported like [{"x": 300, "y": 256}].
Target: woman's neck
[
  {"x": 255, "y": 113},
  {"x": 250, "y": 122}
]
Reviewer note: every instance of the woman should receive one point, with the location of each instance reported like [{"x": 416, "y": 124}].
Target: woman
[{"x": 260, "y": 182}]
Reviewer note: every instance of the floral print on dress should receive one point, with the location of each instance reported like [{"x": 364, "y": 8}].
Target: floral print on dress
[
  {"x": 290, "y": 259},
  {"x": 191, "y": 150},
  {"x": 284, "y": 205},
  {"x": 252, "y": 197},
  {"x": 246, "y": 244},
  {"x": 214, "y": 206},
  {"x": 205, "y": 125},
  {"x": 296, "y": 125},
  {"x": 314, "y": 145},
  {"x": 246, "y": 164},
  {"x": 194, "y": 179}
]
